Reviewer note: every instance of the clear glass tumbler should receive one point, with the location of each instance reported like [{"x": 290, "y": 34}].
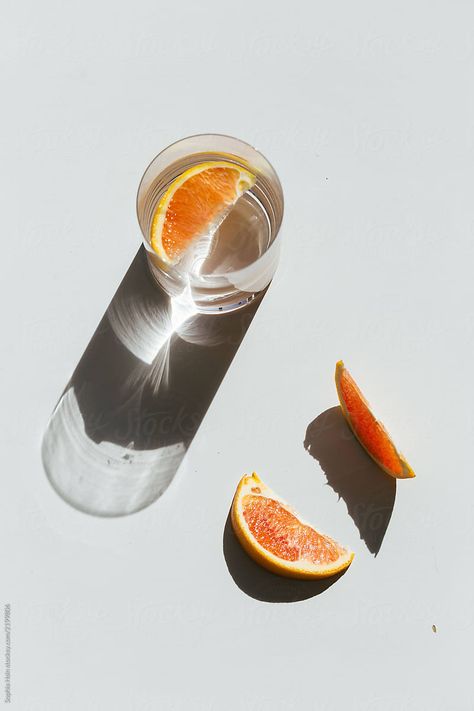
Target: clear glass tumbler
[{"x": 240, "y": 258}]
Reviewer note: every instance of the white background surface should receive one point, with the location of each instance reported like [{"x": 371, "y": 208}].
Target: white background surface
[{"x": 366, "y": 111}]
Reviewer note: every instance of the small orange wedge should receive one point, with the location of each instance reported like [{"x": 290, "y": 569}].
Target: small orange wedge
[
  {"x": 369, "y": 431},
  {"x": 194, "y": 204},
  {"x": 275, "y": 536}
]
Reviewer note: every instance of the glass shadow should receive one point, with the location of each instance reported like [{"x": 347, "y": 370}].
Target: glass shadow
[{"x": 138, "y": 396}]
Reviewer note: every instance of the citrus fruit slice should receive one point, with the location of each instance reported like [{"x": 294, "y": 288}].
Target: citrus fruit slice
[
  {"x": 195, "y": 203},
  {"x": 275, "y": 536},
  {"x": 369, "y": 431}
]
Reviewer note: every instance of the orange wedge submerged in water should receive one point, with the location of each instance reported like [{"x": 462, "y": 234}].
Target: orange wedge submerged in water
[
  {"x": 369, "y": 431},
  {"x": 275, "y": 536},
  {"x": 194, "y": 204}
]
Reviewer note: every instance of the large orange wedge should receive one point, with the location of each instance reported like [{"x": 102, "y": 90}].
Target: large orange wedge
[
  {"x": 194, "y": 204},
  {"x": 276, "y": 537},
  {"x": 369, "y": 431}
]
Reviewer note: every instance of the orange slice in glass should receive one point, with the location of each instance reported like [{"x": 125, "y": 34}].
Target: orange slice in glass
[
  {"x": 369, "y": 431},
  {"x": 194, "y": 204},
  {"x": 278, "y": 539}
]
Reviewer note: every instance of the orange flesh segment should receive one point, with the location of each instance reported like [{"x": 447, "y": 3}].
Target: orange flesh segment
[
  {"x": 195, "y": 206},
  {"x": 280, "y": 532},
  {"x": 371, "y": 433}
]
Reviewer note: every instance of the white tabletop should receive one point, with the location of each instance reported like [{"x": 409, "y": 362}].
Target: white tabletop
[{"x": 366, "y": 112}]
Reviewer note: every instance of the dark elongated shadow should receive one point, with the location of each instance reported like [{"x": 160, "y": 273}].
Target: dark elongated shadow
[
  {"x": 368, "y": 492},
  {"x": 261, "y": 584},
  {"x": 138, "y": 396}
]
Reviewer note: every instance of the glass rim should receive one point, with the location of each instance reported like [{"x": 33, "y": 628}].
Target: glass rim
[{"x": 210, "y": 135}]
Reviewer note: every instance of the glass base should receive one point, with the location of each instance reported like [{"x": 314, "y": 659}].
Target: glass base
[{"x": 202, "y": 300}]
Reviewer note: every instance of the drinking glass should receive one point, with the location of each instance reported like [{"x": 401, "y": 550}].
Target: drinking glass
[{"x": 225, "y": 270}]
